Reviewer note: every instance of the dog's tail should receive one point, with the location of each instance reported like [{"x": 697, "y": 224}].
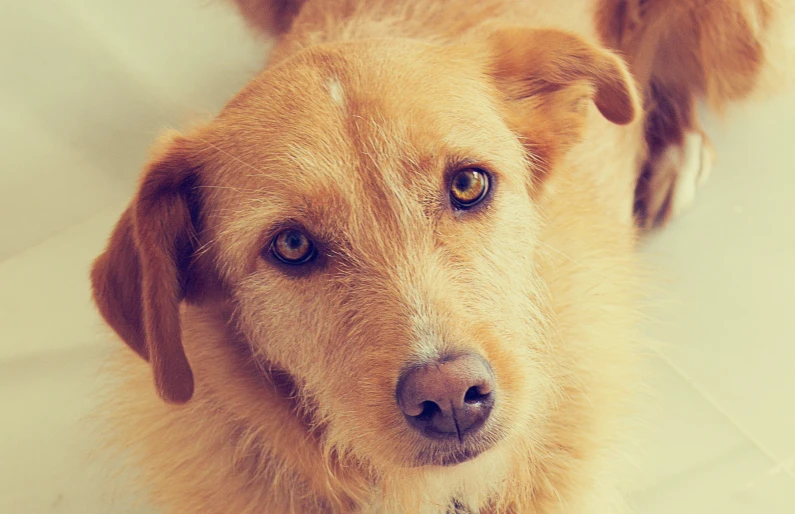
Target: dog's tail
[
  {"x": 720, "y": 50},
  {"x": 271, "y": 17}
]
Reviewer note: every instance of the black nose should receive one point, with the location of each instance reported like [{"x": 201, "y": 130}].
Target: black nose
[{"x": 449, "y": 398}]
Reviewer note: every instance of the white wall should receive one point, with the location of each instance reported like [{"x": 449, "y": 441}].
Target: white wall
[{"x": 85, "y": 85}]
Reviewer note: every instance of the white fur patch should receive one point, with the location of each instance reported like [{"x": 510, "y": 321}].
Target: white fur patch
[
  {"x": 695, "y": 161},
  {"x": 336, "y": 91}
]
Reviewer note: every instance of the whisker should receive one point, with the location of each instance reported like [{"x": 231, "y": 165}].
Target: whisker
[
  {"x": 219, "y": 149},
  {"x": 564, "y": 254}
]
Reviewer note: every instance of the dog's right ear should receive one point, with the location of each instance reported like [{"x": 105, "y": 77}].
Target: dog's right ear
[
  {"x": 547, "y": 77},
  {"x": 145, "y": 272}
]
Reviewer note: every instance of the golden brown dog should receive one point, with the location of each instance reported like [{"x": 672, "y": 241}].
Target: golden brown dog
[{"x": 396, "y": 274}]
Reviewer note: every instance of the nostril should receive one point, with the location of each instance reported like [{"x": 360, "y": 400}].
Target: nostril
[
  {"x": 474, "y": 395},
  {"x": 429, "y": 409}
]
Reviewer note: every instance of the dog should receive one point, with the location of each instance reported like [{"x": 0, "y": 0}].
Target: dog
[{"x": 397, "y": 273}]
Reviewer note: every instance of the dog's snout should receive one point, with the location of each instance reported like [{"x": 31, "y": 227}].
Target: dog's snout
[{"x": 448, "y": 398}]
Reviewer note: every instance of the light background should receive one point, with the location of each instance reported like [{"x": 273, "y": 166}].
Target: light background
[{"x": 86, "y": 85}]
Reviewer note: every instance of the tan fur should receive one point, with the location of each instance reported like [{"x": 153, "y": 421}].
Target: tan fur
[{"x": 279, "y": 383}]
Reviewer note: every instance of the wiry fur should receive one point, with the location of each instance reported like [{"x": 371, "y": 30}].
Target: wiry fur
[{"x": 280, "y": 382}]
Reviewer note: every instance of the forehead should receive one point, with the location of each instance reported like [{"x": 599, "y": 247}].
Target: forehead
[{"x": 328, "y": 130}]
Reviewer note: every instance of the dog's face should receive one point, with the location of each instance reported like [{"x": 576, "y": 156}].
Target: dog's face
[
  {"x": 370, "y": 211},
  {"x": 401, "y": 197}
]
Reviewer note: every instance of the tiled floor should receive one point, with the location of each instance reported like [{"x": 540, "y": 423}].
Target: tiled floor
[
  {"x": 726, "y": 429},
  {"x": 722, "y": 436}
]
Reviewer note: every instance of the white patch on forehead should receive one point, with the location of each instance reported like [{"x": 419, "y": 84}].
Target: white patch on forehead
[{"x": 336, "y": 92}]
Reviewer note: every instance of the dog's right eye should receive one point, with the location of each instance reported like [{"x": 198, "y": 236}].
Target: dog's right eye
[
  {"x": 469, "y": 187},
  {"x": 292, "y": 246}
]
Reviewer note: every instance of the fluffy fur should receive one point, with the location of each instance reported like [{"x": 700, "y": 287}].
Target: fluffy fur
[{"x": 273, "y": 387}]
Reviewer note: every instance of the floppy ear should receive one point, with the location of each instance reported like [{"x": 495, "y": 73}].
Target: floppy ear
[
  {"x": 144, "y": 274},
  {"x": 547, "y": 76}
]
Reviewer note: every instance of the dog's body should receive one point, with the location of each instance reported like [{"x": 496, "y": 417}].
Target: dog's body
[{"x": 366, "y": 110}]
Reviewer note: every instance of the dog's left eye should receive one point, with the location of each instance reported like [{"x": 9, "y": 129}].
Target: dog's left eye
[
  {"x": 292, "y": 246},
  {"x": 469, "y": 187}
]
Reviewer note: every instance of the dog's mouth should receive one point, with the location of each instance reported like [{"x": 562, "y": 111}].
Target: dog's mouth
[{"x": 453, "y": 453}]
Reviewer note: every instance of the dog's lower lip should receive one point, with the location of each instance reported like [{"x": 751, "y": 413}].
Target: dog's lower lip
[
  {"x": 459, "y": 458},
  {"x": 452, "y": 456}
]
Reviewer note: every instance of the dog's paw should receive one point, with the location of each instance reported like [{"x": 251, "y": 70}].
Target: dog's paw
[{"x": 668, "y": 183}]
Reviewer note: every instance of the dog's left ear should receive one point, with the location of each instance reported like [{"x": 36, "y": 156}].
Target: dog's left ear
[
  {"x": 150, "y": 266},
  {"x": 547, "y": 78}
]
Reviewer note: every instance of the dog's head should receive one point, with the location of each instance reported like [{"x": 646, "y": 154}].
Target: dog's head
[{"x": 369, "y": 210}]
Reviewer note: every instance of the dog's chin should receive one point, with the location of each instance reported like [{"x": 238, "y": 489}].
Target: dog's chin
[{"x": 453, "y": 453}]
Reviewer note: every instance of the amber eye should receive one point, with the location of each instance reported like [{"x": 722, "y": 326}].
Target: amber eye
[
  {"x": 292, "y": 247},
  {"x": 469, "y": 187}
]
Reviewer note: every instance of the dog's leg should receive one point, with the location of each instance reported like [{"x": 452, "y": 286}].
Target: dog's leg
[
  {"x": 681, "y": 52},
  {"x": 679, "y": 159}
]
